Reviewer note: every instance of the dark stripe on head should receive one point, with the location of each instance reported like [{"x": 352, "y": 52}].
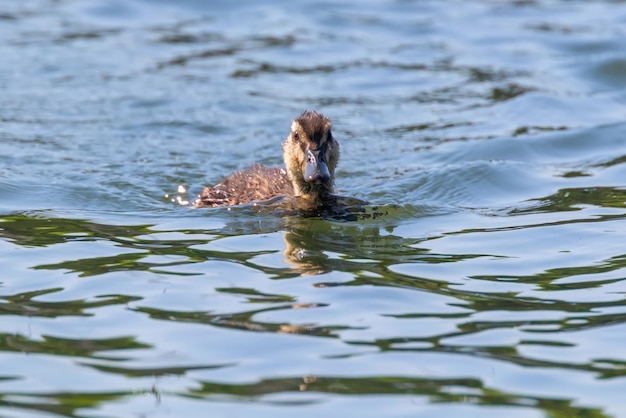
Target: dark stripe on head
[{"x": 315, "y": 125}]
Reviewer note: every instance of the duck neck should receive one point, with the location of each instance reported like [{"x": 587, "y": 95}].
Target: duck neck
[{"x": 311, "y": 191}]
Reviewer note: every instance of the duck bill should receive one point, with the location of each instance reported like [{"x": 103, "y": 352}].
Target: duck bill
[{"x": 315, "y": 169}]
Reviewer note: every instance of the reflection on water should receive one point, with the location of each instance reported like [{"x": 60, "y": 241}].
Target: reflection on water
[
  {"x": 576, "y": 199},
  {"x": 335, "y": 255}
]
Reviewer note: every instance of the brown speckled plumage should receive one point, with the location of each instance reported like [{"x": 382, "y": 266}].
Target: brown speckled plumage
[
  {"x": 252, "y": 185},
  {"x": 309, "y": 151}
]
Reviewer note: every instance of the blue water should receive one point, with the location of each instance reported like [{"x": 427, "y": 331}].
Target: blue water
[{"x": 489, "y": 138}]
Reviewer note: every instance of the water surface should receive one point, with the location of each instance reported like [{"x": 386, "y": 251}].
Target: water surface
[{"x": 490, "y": 135}]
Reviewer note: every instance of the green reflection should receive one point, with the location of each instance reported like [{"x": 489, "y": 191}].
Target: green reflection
[
  {"x": 245, "y": 320},
  {"x": 573, "y": 198},
  {"x": 153, "y": 371},
  {"x": 41, "y": 232},
  {"x": 24, "y": 304},
  {"x": 28, "y": 231},
  {"x": 443, "y": 391},
  {"x": 61, "y": 404},
  {"x": 254, "y": 296},
  {"x": 460, "y": 390},
  {"x": 507, "y": 92},
  {"x": 68, "y": 346},
  {"x": 550, "y": 278}
]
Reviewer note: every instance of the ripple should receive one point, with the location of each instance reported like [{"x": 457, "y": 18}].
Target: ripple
[{"x": 485, "y": 277}]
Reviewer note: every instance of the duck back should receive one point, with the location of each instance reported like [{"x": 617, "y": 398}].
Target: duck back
[{"x": 252, "y": 185}]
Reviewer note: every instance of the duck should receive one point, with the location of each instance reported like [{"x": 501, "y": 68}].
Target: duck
[{"x": 310, "y": 154}]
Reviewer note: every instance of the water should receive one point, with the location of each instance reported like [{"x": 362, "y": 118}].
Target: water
[{"x": 490, "y": 134}]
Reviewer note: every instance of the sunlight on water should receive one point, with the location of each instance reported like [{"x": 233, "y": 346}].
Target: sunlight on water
[
  {"x": 181, "y": 197},
  {"x": 483, "y": 277}
]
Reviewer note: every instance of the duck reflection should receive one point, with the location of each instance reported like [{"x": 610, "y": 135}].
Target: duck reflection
[{"x": 316, "y": 246}]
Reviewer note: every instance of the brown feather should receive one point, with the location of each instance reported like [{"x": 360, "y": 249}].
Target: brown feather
[{"x": 255, "y": 184}]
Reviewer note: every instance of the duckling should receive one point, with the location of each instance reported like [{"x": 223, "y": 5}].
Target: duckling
[{"x": 311, "y": 154}]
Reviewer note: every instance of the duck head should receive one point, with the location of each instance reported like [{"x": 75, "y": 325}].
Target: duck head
[{"x": 311, "y": 155}]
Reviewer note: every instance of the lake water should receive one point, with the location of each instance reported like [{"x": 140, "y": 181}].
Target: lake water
[{"x": 489, "y": 135}]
